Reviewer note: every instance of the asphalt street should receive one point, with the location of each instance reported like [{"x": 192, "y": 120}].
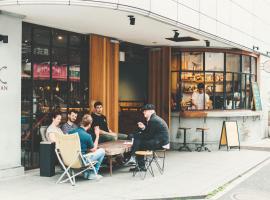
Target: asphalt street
[{"x": 255, "y": 187}]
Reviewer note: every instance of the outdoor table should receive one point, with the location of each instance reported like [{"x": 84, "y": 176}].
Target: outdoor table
[{"x": 115, "y": 148}]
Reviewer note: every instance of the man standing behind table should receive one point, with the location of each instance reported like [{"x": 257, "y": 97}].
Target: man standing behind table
[
  {"x": 87, "y": 145},
  {"x": 70, "y": 124},
  {"x": 100, "y": 120},
  {"x": 200, "y": 100}
]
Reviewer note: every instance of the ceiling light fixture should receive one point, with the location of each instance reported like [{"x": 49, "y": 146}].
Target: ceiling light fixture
[
  {"x": 176, "y": 34},
  {"x": 255, "y": 48},
  {"x": 207, "y": 43},
  {"x": 131, "y": 19}
]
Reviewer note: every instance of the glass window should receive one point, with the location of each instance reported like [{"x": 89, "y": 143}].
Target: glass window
[
  {"x": 214, "y": 61},
  {"x": 47, "y": 87},
  {"x": 176, "y": 62},
  {"x": 42, "y": 36},
  {"x": 246, "y": 64},
  {"x": 253, "y": 65},
  {"x": 192, "y": 61},
  {"x": 59, "y": 64},
  {"x": 230, "y": 90},
  {"x": 175, "y": 90},
  {"x": 26, "y": 52},
  {"x": 59, "y": 38},
  {"x": 75, "y": 40},
  {"x": 232, "y": 63}
]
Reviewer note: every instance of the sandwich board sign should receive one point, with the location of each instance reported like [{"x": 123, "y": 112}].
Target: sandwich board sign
[
  {"x": 229, "y": 135},
  {"x": 256, "y": 96}
]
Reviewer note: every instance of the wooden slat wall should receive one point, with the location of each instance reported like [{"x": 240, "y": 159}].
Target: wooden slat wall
[
  {"x": 159, "y": 85},
  {"x": 104, "y": 76}
]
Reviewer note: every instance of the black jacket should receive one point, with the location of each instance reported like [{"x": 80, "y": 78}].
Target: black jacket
[{"x": 157, "y": 129}]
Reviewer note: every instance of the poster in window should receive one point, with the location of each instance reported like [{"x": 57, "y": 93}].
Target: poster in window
[{"x": 41, "y": 71}]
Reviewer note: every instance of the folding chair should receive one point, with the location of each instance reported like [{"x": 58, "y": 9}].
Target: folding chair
[
  {"x": 68, "y": 152},
  {"x": 159, "y": 155}
]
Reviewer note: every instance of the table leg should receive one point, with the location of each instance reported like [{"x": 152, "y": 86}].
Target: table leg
[{"x": 110, "y": 160}]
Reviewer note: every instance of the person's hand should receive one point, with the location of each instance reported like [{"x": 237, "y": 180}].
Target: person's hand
[
  {"x": 141, "y": 125},
  {"x": 97, "y": 130}
]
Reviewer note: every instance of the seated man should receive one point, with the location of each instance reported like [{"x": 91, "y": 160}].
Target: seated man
[
  {"x": 70, "y": 124},
  {"x": 87, "y": 145},
  {"x": 100, "y": 120},
  {"x": 154, "y": 135}
]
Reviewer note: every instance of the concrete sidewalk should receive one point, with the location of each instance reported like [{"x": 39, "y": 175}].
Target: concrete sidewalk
[{"x": 187, "y": 174}]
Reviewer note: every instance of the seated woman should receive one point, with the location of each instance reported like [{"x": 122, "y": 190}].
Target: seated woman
[{"x": 54, "y": 127}]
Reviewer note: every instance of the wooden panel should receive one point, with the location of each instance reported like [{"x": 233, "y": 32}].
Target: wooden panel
[
  {"x": 103, "y": 76},
  {"x": 159, "y": 81}
]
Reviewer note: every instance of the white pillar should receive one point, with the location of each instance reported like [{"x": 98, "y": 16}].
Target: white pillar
[{"x": 10, "y": 96}]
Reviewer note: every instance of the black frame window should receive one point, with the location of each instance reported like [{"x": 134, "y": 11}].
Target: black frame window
[{"x": 226, "y": 78}]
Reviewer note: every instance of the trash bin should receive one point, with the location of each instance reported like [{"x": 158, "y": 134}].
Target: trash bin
[{"x": 47, "y": 159}]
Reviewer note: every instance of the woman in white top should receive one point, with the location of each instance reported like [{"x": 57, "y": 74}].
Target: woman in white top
[
  {"x": 53, "y": 128},
  {"x": 200, "y": 99}
]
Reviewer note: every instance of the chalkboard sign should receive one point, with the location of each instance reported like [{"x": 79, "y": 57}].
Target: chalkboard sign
[
  {"x": 229, "y": 135},
  {"x": 256, "y": 96}
]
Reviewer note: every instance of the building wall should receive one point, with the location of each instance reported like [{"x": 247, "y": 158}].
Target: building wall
[
  {"x": 251, "y": 129},
  {"x": 244, "y": 22},
  {"x": 10, "y": 97}
]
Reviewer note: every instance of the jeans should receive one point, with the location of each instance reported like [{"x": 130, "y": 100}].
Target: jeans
[{"x": 98, "y": 155}]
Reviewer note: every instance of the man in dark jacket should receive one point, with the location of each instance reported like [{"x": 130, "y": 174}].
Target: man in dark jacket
[{"x": 154, "y": 134}]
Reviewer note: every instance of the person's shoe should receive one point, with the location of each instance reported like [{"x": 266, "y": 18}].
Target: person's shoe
[
  {"x": 94, "y": 177},
  {"x": 131, "y": 161},
  {"x": 143, "y": 168},
  {"x": 86, "y": 174},
  {"x": 134, "y": 169}
]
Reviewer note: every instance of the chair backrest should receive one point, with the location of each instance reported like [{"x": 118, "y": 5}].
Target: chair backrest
[
  {"x": 42, "y": 131},
  {"x": 70, "y": 149}
]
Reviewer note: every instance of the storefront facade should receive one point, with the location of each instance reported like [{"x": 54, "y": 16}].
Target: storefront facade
[{"x": 61, "y": 57}]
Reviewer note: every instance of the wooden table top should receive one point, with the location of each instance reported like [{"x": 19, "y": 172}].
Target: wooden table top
[{"x": 115, "y": 147}]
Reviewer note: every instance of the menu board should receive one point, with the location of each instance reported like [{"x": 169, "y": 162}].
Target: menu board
[
  {"x": 256, "y": 96},
  {"x": 229, "y": 135}
]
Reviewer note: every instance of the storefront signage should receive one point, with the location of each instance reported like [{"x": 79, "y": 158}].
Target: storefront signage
[
  {"x": 3, "y": 80},
  {"x": 229, "y": 135},
  {"x": 41, "y": 71},
  {"x": 59, "y": 72},
  {"x": 256, "y": 96}
]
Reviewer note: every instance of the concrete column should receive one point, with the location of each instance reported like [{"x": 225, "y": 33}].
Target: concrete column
[{"x": 10, "y": 96}]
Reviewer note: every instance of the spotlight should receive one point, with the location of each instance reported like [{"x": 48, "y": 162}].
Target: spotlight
[
  {"x": 4, "y": 38},
  {"x": 207, "y": 43},
  {"x": 255, "y": 48},
  {"x": 176, "y": 34},
  {"x": 131, "y": 19}
]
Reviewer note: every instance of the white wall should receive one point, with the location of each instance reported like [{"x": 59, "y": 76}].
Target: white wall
[
  {"x": 244, "y": 22},
  {"x": 10, "y": 98}
]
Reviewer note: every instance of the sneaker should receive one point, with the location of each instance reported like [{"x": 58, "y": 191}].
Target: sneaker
[
  {"x": 136, "y": 169},
  {"x": 94, "y": 177},
  {"x": 131, "y": 161},
  {"x": 86, "y": 174}
]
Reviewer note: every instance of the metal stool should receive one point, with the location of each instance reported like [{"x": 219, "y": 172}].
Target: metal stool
[
  {"x": 148, "y": 158},
  {"x": 202, "y": 147},
  {"x": 184, "y": 147}
]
